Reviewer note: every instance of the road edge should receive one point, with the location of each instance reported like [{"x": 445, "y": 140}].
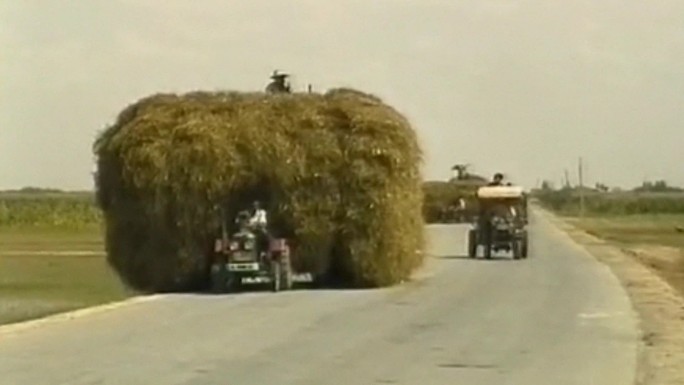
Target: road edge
[
  {"x": 660, "y": 348},
  {"x": 16, "y": 327},
  {"x": 422, "y": 273}
]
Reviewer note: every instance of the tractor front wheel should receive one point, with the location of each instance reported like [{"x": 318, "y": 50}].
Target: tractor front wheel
[
  {"x": 517, "y": 249},
  {"x": 488, "y": 251},
  {"x": 218, "y": 277},
  {"x": 276, "y": 276}
]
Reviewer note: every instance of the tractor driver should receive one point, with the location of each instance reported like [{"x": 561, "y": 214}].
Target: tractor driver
[{"x": 497, "y": 181}]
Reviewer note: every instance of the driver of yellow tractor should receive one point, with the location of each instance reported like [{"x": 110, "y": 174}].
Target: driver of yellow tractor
[
  {"x": 278, "y": 85},
  {"x": 497, "y": 180}
]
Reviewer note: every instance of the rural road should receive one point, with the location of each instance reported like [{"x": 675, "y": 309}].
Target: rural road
[{"x": 557, "y": 318}]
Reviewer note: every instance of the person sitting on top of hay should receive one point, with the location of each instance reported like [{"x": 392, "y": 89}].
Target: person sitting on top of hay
[{"x": 278, "y": 85}]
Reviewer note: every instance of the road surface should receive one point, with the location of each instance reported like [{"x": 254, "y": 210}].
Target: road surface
[{"x": 557, "y": 318}]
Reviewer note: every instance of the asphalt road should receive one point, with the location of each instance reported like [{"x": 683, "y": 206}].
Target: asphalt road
[{"x": 557, "y": 318}]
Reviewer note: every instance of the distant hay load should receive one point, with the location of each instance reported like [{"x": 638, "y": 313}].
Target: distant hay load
[{"x": 339, "y": 173}]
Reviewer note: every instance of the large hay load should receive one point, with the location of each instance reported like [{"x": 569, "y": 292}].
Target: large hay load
[{"x": 339, "y": 173}]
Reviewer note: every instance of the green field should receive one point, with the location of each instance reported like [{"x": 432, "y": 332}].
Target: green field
[
  {"x": 612, "y": 204},
  {"x": 52, "y": 256},
  {"x": 631, "y": 230},
  {"x": 652, "y": 239},
  {"x": 72, "y": 211}
]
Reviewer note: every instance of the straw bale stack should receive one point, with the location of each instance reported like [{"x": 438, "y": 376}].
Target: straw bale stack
[{"x": 339, "y": 173}]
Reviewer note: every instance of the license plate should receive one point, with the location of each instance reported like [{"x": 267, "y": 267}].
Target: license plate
[{"x": 243, "y": 267}]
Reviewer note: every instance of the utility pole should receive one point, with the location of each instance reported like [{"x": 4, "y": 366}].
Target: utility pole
[{"x": 581, "y": 187}]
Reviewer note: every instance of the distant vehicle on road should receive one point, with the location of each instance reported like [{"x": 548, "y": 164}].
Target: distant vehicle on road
[{"x": 501, "y": 224}]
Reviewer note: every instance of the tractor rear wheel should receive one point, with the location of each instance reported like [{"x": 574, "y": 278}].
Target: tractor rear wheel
[
  {"x": 286, "y": 273},
  {"x": 472, "y": 244},
  {"x": 488, "y": 251}
]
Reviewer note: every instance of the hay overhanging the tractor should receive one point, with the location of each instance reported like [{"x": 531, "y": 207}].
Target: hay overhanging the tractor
[{"x": 338, "y": 172}]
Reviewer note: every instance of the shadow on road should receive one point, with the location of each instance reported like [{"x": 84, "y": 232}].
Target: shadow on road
[
  {"x": 300, "y": 284},
  {"x": 251, "y": 289},
  {"x": 494, "y": 258}
]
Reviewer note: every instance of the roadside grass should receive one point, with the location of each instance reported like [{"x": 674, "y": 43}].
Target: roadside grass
[
  {"x": 51, "y": 239},
  {"x": 33, "y": 286},
  {"x": 652, "y": 239},
  {"x": 655, "y": 229}
]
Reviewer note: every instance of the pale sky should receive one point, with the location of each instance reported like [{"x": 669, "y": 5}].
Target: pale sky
[{"x": 519, "y": 86}]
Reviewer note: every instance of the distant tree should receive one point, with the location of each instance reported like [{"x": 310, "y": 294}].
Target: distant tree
[
  {"x": 38, "y": 190},
  {"x": 657, "y": 186},
  {"x": 547, "y": 185},
  {"x": 602, "y": 187}
]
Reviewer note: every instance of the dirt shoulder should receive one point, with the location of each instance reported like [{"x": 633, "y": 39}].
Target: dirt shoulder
[{"x": 660, "y": 306}]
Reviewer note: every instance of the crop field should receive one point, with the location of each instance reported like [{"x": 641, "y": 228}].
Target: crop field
[
  {"x": 51, "y": 256},
  {"x": 613, "y": 204},
  {"x": 654, "y": 229},
  {"x": 656, "y": 240},
  {"x": 48, "y": 210}
]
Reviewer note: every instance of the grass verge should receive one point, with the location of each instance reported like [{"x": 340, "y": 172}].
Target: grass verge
[
  {"x": 32, "y": 239},
  {"x": 42, "y": 273},
  {"x": 657, "y": 241}
]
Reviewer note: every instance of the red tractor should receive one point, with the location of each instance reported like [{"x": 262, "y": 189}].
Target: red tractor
[{"x": 250, "y": 253}]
